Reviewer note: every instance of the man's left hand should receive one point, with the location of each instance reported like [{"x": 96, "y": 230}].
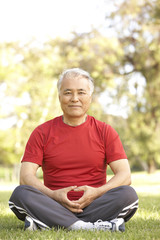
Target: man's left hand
[{"x": 90, "y": 194}]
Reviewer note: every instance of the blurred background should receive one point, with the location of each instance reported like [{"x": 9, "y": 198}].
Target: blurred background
[{"x": 116, "y": 41}]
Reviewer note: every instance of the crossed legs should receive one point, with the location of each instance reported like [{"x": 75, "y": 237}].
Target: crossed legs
[{"x": 120, "y": 202}]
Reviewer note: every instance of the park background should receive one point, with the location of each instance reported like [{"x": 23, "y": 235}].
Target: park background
[{"x": 117, "y": 42}]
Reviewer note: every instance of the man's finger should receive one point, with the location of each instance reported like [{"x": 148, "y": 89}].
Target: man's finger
[
  {"x": 75, "y": 210},
  {"x": 74, "y": 207},
  {"x": 82, "y": 200},
  {"x": 72, "y": 204},
  {"x": 82, "y": 188},
  {"x": 71, "y": 188}
]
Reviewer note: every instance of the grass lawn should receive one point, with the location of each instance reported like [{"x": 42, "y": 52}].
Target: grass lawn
[{"x": 145, "y": 225}]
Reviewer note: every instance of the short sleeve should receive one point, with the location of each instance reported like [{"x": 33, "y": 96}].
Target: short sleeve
[
  {"x": 113, "y": 145},
  {"x": 34, "y": 148}
]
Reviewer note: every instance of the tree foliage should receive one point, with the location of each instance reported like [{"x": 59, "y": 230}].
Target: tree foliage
[{"x": 137, "y": 26}]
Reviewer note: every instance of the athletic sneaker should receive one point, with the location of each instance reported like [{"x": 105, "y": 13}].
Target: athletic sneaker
[
  {"x": 118, "y": 224},
  {"x": 30, "y": 224},
  {"x": 113, "y": 225}
]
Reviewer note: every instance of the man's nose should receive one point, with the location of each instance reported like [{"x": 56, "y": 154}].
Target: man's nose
[{"x": 74, "y": 97}]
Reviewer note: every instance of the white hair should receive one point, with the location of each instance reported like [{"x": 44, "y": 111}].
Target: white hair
[{"x": 74, "y": 73}]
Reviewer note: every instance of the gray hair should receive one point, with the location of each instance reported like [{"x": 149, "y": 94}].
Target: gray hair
[{"x": 74, "y": 73}]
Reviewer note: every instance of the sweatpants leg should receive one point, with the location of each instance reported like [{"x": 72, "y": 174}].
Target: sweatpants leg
[
  {"x": 119, "y": 202},
  {"x": 47, "y": 213}
]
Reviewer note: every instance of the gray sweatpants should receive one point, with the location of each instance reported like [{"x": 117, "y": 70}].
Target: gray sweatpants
[{"x": 121, "y": 202}]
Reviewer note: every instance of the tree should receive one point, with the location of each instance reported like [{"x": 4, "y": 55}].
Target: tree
[
  {"x": 137, "y": 26},
  {"x": 27, "y": 75}
]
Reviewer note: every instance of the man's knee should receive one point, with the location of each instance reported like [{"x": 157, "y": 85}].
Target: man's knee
[
  {"x": 129, "y": 199},
  {"x": 129, "y": 193},
  {"x": 19, "y": 193},
  {"x": 124, "y": 196}
]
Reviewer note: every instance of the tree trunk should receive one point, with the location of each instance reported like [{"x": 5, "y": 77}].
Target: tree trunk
[{"x": 151, "y": 166}]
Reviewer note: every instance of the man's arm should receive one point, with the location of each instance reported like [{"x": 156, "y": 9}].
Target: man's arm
[
  {"x": 28, "y": 177},
  {"x": 122, "y": 176}
]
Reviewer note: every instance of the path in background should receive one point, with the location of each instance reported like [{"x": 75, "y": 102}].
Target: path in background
[
  {"x": 147, "y": 183},
  {"x": 8, "y": 186}
]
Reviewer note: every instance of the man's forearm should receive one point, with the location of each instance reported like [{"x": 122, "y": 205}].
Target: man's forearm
[
  {"x": 117, "y": 180},
  {"x": 122, "y": 176},
  {"x": 33, "y": 181}
]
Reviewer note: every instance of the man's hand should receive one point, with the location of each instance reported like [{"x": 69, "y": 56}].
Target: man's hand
[
  {"x": 60, "y": 196},
  {"x": 90, "y": 194}
]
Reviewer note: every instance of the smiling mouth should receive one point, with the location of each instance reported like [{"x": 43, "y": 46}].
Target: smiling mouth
[{"x": 74, "y": 106}]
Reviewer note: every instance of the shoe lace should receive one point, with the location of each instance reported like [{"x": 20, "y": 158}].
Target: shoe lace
[{"x": 100, "y": 223}]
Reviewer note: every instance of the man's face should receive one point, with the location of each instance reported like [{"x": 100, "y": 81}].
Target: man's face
[{"x": 75, "y": 97}]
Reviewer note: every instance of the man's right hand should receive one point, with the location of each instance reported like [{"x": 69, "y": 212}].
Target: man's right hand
[{"x": 60, "y": 196}]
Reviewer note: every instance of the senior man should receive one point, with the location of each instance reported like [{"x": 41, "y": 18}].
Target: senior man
[{"x": 73, "y": 151}]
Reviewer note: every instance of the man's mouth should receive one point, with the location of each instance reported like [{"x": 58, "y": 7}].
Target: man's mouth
[{"x": 75, "y": 106}]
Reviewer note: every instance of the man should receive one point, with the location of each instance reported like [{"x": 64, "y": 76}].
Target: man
[{"x": 73, "y": 151}]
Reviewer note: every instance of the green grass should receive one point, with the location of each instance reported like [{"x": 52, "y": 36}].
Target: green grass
[{"x": 145, "y": 225}]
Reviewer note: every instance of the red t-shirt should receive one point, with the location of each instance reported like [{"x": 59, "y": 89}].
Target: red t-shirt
[{"x": 73, "y": 155}]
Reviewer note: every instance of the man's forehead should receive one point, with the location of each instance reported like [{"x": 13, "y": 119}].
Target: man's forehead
[
  {"x": 71, "y": 89},
  {"x": 74, "y": 78},
  {"x": 79, "y": 83}
]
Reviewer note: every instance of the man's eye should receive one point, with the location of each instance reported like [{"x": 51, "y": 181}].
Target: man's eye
[
  {"x": 82, "y": 93},
  {"x": 67, "y": 93}
]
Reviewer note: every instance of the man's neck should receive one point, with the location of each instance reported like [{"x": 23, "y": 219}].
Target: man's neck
[{"x": 74, "y": 121}]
